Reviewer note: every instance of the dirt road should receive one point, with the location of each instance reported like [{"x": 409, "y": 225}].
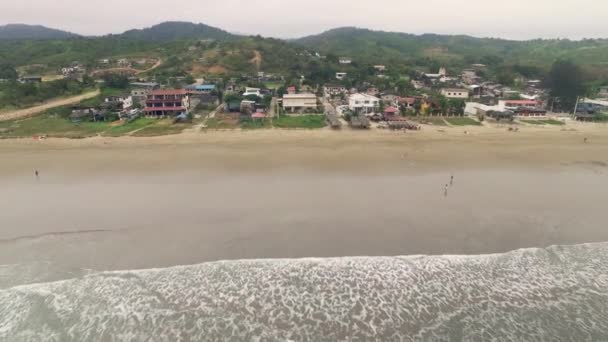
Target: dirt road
[
  {"x": 127, "y": 70},
  {"x": 22, "y": 113}
]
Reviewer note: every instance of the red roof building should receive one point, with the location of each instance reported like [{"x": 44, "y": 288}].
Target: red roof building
[
  {"x": 391, "y": 110},
  {"x": 166, "y": 102},
  {"x": 291, "y": 90},
  {"x": 409, "y": 101}
]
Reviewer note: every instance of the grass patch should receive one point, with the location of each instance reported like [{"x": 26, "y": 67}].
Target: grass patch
[
  {"x": 104, "y": 92},
  {"x": 128, "y": 127},
  {"x": 300, "y": 121},
  {"x": 52, "y": 126},
  {"x": 161, "y": 127},
  {"x": 215, "y": 123},
  {"x": 432, "y": 120},
  {"x": 463, "y": 121},
  {"x": 255, "y": 124},
  {"x": 274, "y": 85}
]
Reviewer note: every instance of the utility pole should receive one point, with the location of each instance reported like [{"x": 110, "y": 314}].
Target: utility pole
[{"x": 576, "y": 106}]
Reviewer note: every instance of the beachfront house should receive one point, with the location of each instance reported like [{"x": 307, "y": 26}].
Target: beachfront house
[
  {"x": 167, "y": 102},
  {"x": 299, "y": 102},
  {"x": 363, "y": 103}
]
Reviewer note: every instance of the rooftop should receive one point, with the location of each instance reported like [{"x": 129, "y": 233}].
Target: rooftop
[
  {"x": 145, "y": 84},
  {"x": 391, "y": 109},
  {"x": 462, "y": 90},
  {"x": 521, "y": 102},
  {"x": 298, "y": 96},
  {"x": 362, "y": 95},
  {"x": 168, "y": 92}
]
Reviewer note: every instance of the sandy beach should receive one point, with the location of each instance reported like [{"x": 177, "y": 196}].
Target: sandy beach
[
  {"x": 432, "y": 149},
  {"x": 130, "y": 203}
]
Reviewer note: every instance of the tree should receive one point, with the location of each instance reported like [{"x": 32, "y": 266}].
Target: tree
[
  {"x": 189, "y": 79},
  {"x": 565, "y": 82},
  {"x": 232, "y": 97},
  {"x": 116, "y": 81},
  {"x": 456, "y": 106},
  {"x": 8, "y": 72},
  {"x": 444, "y": 105}
]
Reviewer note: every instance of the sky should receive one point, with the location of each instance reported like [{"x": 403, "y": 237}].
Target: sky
[{"x": 512, "y": 19}]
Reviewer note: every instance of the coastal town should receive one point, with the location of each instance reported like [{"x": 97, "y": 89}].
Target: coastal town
[{"x": 442, "y": 98}]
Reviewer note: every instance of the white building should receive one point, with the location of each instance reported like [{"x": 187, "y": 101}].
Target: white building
[
  {"x": 455, "y": 93},
  {"x": 341, "y": 75},
  {"x": 442, "y": 73},
  {"x": 252, "y": 91},
  {"x": 345, "y": 60},
  {"x": 295, "y": 102},
  {"x": 334, "y": 90},
  {"x": 515, "y": 104},
  {"x": 380, "y": 67},
  {"x": 363, "y": 103}
]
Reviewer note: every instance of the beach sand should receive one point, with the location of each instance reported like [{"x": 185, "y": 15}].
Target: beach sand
[{"x": 127, "y": 203}]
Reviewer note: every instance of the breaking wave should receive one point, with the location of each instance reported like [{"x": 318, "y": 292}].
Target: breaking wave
[{"x": 553, "y": 294}]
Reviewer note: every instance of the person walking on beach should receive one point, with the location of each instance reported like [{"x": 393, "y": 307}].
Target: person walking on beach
[
  {"x": 452, "y": 180},
  {"x": 445, "y": 192},
  {"x": 585, "y": 140},
  {"x": 37, "y": 174}
]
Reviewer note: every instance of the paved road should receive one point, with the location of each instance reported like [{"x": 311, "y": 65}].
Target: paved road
[{"x": 23, "y": 113}]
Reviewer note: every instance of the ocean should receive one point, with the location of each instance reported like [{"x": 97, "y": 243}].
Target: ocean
[{"x": 555, "y": 294}]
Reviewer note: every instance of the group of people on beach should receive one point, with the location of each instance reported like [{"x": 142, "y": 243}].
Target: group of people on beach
[{"x": 447, "y": 186}]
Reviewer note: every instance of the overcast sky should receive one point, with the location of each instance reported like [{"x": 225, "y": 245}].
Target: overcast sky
[{"x": 514, "y": 19}]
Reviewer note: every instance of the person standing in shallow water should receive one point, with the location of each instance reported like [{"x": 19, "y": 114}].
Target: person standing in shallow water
[
  {"x": 37, "y": 174},
  {"x": 445, "y": 192},
  {"x": 452, "y": 180}
]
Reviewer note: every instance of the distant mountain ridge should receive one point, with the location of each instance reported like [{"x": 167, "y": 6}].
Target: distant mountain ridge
[
  {"x": 369, "y": 45},
  {"x": 173, "y": 30},
  {"x": 23, "y": 31}
]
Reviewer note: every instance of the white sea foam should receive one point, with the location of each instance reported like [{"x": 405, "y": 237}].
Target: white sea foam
[{"x": 553, "y": 294}]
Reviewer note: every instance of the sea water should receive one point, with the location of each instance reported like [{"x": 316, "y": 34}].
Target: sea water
[{"x": 555, "y": 294}]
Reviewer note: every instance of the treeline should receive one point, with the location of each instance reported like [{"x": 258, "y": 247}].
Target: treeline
[{"x": 15, "y": 94}]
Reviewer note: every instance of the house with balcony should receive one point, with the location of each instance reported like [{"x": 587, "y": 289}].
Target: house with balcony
[
  {"x": 299, "y": 102},
  {"x": 167, "y": 102},
  {"x": 363, "y": 103}
]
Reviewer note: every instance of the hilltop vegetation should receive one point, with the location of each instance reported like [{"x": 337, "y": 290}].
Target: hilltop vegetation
[
  {"x": 198, "y": 49},
  {"x": 369, "y": 46},
  {"x": 176, "y": 30},
  {"x": 21, "y": 31}
]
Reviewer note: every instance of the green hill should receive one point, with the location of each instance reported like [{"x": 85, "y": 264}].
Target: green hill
[
  {"x": 22, "y": 31},
  {"x": 384, "y": 47},
  {"x": 177, "y": 30}
]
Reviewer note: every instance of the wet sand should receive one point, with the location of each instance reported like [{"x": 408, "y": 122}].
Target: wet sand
[{"x": 111, "y": 204}]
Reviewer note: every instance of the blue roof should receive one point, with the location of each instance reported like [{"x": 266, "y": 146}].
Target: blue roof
[{"x": 205, "y": 87}]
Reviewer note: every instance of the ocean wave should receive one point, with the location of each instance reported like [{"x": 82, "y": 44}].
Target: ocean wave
[{"x": 554, "y": 294}]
